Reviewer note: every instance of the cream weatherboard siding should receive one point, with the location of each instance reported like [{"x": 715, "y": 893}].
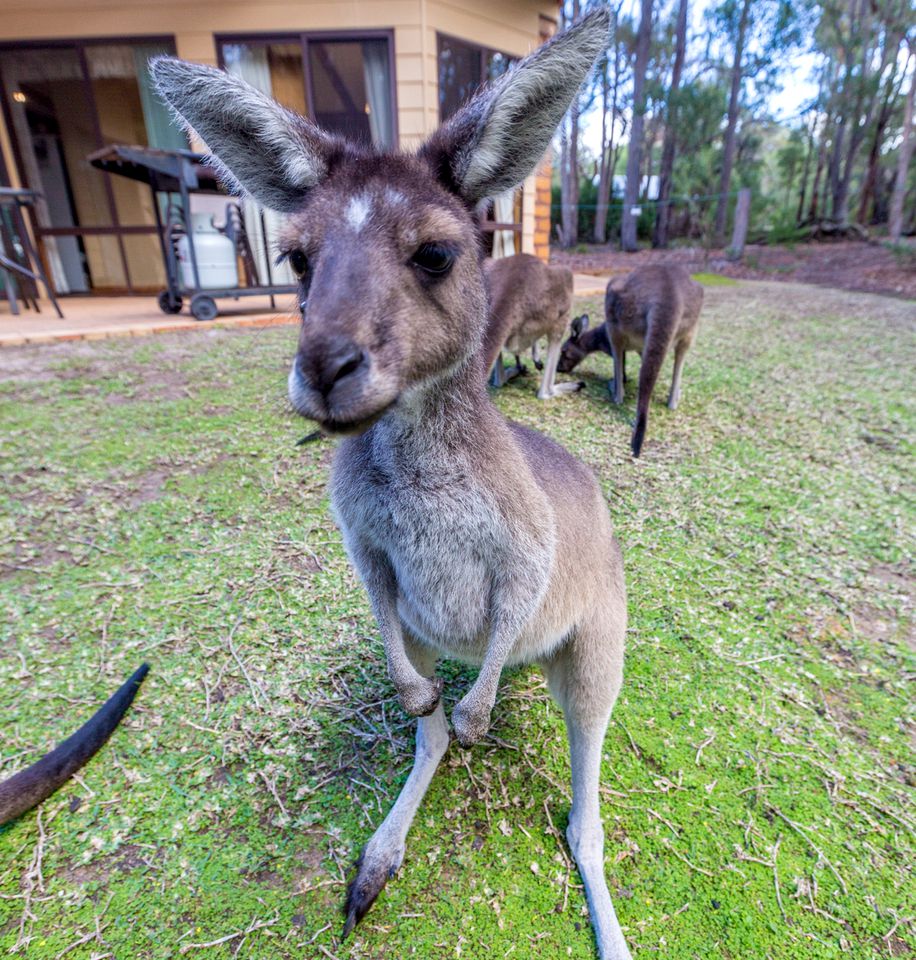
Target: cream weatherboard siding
[{"x": 511, "y": 26}]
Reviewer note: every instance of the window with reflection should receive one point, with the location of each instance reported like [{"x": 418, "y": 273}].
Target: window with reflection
[
  {"x": 463, "y": 67},
  {"x": 344, "y": 83}
]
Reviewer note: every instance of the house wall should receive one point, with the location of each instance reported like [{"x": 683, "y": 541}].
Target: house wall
[{"x": 512, "y": 26}]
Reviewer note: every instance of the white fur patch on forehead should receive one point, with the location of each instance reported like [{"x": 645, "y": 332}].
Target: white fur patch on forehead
[{"x": 358, "y": 210}]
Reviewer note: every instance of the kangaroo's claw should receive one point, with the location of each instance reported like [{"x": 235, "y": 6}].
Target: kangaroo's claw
[{"x": 372, "y": 873}]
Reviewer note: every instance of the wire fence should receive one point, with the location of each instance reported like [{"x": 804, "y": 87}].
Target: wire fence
[{"x": 690, "y": 216}]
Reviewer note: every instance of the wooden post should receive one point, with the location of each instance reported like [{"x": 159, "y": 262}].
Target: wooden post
[{"x": 742, "y": 216}]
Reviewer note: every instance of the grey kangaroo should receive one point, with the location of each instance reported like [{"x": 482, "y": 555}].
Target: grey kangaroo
[
  {"x": 655, "y": 308},
  {"x": 435, "y": 493},
  {"x": 529, "y": 300}
]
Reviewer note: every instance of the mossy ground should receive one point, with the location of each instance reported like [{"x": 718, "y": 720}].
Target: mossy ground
[{"x": 758, "y": 778}]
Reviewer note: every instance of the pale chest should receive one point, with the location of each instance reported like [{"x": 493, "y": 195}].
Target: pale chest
[{"x": 442, "y": 537}]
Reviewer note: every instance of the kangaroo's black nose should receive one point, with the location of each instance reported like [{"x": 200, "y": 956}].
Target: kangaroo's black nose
[{"x": 327, "y": 367}]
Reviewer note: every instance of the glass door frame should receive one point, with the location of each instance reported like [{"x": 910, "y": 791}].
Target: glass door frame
[
  {"x": 304, "y": 37},
  {"x": 116, "y": 229}
]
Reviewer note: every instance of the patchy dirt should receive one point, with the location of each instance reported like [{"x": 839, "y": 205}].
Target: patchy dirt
[
  {"x": 869, "y": 267},
  {"x": 93, "y": 359}
]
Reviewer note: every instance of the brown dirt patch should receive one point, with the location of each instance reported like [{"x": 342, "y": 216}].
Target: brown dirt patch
[
  {"x": 847, "y": 265},
  {"x": 129, "y": 857}
]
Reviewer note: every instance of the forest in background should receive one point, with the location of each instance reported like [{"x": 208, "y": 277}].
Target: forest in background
[{"x": 684, "y": 100}]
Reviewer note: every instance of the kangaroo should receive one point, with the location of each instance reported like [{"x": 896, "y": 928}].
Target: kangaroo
[
  {"x": 583, "y": 341},
  {"x": 29, "y": 787},
  {"x": 655, "y": 308},
  {"x": 433, "y": 490},
  {"x": 529, "y": 300}
]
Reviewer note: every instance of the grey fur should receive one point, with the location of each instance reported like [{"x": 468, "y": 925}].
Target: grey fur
[
  {"x": 434, "y": 491},
  {"x": 264, "y": 149},
  {"x": 497, "y": 139},
  {"x": 655, "y": 308},
  {"x": 529, "y": 300}
]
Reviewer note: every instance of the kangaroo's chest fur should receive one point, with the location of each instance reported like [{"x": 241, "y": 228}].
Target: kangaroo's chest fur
[{"x": 441, "y": 530}]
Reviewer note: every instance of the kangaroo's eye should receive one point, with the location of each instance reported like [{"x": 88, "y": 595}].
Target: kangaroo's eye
[
  {"x": 299, "y": 263},
  {"x": 434, "y": 258}
]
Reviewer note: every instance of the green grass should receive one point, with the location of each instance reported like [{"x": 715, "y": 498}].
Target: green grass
[
  {"x": 714, "y": 280},
  {"x": 758, "y": 777}
]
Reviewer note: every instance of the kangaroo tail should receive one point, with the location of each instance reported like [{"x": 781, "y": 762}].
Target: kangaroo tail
[
  {"x": 658, "y": 337},
  {"x": 29, "y": 787}
]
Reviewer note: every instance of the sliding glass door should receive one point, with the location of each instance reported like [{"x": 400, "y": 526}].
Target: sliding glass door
[
  {"x": 344, "y": 82},
  {"x": 62, "y": 101}
]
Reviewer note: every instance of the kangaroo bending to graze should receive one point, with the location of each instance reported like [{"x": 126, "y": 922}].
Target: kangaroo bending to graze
[
  {"x": 529, "y": 300},
  {"x": 656, "y": 308},
  {"x": 29, "y": 787},
  {"x": 433, "y": 490}
]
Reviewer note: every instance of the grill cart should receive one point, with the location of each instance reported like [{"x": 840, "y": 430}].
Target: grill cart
[{"x": 177, "y": 174}]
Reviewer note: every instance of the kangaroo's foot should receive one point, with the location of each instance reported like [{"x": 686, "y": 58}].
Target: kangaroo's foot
[
  {"x": 383, "y": 854},
  {"x": 374, "y": 869},
  {"x": 615, "y": 391}
]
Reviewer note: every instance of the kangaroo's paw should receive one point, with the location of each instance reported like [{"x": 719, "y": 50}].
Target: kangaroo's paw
[
  {"x": 421, "y": 697},
  {"x": 470, "y": 723},
  {"x": 374, "y": 868}
]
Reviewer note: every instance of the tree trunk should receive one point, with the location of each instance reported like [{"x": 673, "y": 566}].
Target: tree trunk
[
  {"x": 600, "y": 230},
  {"x": 862, "y": 115},
  {"x": 631, "y": 192},
  {"x": 870, "y": 183},
  {"x": 569, "y": 180},
  {"x": 742, "y": 220},
  {"x": 605, "y": 183},
  {"x": 669, "y": 144},
  {"x": 728, "y": 152},
  {"x": 813, "y": 210},
  {"x": 569, "y": 166},
  {"x": 895, "y": 220},
  {"x": 800, "y": 212}
]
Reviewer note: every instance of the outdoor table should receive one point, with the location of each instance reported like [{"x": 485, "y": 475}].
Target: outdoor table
[{"x": 19, "y": 260}]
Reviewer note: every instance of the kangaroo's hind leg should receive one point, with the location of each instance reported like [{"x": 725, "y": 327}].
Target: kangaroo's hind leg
[
  {"x": 585, "y": 677},
  {"x": 680, "y": 352},
  {"x": 619, "y": 353},
  {"x": 383, "y": 854}
]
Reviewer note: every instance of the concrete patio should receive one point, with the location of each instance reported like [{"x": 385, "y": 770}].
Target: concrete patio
[{"x": 94, "y": 318}]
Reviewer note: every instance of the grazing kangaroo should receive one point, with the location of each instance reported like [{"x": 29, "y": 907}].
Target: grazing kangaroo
[
  {"x": 29, "y": 787},
  {"x": 583, "y": 341},
  {"x": 655, "y": 308},
  {"x": 529, "y": 300},
  {"x": 433, "y": 490}
]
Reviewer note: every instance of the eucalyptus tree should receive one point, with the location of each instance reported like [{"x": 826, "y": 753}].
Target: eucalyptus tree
[
  {"x": 634, "y": 151},
  {"x": 863, "y": 39},
  {"x": 759, "y": 35},
  {"x": 669, "y": 144},
  {"x": 905, "y": 152}
]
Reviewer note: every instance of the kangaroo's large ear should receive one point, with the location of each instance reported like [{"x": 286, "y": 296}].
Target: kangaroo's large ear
[
  {"x": 493, "y": 142},
  {"x": 266, "y": 150}
]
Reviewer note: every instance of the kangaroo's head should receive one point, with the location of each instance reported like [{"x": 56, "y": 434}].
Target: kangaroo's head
[
  {"x": 575, "y": 350},
  {"x": 384, "y": 246}
]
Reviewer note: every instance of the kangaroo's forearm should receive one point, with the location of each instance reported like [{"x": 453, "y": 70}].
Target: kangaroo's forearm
[{"x": 418, "y": 694}]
